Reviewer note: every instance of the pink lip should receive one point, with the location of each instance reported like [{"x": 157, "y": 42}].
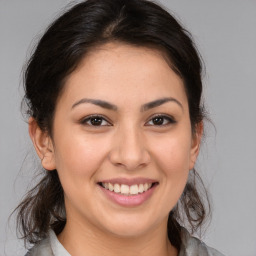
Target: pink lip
[{"x": 128, "y": 201}]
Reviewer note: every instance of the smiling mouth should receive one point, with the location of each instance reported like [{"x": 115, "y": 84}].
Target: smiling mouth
[{"x": 123, "y": 189}]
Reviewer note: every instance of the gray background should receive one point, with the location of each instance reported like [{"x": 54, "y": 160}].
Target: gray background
[{"x": 225, "y": 32}]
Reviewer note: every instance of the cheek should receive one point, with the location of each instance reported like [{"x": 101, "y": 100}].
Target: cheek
[
  {"x": 80, "y": 155},
  {"x": 172, "y": 158},
  {"x": 78, "y": 161},
  {"x": 173, "y": 154}
]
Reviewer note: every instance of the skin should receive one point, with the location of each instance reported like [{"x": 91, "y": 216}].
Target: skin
[{"x": 126, "y": 144}]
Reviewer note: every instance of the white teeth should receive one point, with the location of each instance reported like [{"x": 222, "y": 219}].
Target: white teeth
[
  {"x": 145, "y": 186},
  {"x": 127, "y": 190},
  {"x": 141, "y": 188},
  {"x": 110, "y": 187},
  {"x": 134, "y": 190},
  {"x": 117, "y": 188}
]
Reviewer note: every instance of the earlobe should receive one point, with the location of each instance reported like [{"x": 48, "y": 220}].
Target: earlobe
[
  {"x": 196, "y": 142},
  {"x": 42, "y": 144}
]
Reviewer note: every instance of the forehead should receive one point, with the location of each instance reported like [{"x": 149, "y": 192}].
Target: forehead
[{"x": 120, "y": 71}]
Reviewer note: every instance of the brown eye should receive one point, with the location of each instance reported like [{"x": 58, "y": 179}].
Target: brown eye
[
  {"x": 95, "y": 121},
  {"x": 160, "y": 120}
]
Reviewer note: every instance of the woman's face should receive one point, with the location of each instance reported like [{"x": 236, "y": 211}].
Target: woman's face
[{"x": 122, "y": 124}]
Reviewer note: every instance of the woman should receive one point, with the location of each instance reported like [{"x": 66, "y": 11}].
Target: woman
[{"x": 113, "y": 92}]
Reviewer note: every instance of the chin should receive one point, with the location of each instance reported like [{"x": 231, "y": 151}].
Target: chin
[{"x": 130, "y": 227}]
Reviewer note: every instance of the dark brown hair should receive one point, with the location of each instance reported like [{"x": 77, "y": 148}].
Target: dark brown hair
[{"x": 60, "y": 50}]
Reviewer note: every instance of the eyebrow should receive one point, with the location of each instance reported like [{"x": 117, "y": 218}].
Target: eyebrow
[
  {"x": 101, "y": 103},
  {"x": 159, "y": 102},
  {"x": 145, "y": 107}
]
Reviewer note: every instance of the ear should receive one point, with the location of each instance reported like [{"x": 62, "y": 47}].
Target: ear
[
  {"x": 195, "y": 145},
  {"x": 42, "y": 144}
]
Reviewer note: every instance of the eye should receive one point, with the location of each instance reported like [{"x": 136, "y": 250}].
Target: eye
[
  {"x": 95, "y": 120},
  {"x": 160, "y": 120}
]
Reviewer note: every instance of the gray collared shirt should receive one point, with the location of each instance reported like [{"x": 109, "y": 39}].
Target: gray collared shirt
[{"x": 191, "y": 246}]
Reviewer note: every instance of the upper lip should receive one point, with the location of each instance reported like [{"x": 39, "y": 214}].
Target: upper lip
[{"x": 128, "y": 181}]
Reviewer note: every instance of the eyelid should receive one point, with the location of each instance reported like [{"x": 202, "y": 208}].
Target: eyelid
[
  {"x": 87, "y": 118},
  {"x": 171, "y": 119}
]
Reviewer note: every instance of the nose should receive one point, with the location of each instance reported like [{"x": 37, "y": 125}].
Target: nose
[{"x": 129, "y": 149}]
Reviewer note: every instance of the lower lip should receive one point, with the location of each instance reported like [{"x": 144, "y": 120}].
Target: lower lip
[{"x": 128, "y": 201}]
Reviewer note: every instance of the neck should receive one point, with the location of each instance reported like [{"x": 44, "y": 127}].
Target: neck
[{"x": 78, "y": 240}]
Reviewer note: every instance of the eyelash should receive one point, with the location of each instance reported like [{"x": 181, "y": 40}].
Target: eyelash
[
  {"x": 90, "y": 118},
  {"x": 167, "y": 120}
]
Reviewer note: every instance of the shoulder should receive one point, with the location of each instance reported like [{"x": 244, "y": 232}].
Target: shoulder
[
  {"x": 50, "y": 246},
  {"x": 192, "y": 246},
  {"x": 40, "y": 249}
]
